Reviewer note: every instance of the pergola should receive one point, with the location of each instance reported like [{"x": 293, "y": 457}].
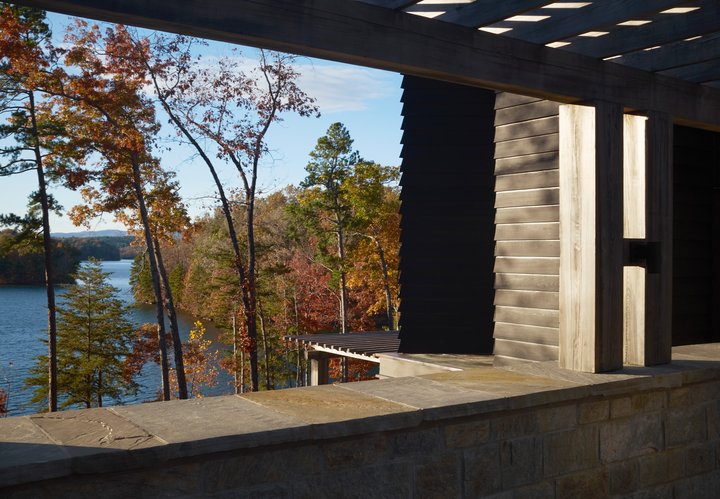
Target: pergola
[{"x": 580, "y": 267}]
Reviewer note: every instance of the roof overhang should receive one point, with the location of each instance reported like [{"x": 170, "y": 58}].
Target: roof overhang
[{"x": 386, "y": 37}]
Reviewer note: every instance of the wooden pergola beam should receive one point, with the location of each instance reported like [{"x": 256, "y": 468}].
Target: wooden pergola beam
[
  {"x": 357, "y": 33},
  {"x": 484, "y": 12},
  {"x": 674, "y": 55},
  {"x": 699, "y": 73},
  {"x": 589, "y": 18},
  {"x": 667, "y": 29},
  {"x": 391, "y": 4}
]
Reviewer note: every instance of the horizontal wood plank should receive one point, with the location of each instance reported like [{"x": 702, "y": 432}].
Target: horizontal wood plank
[
  {"x": 531, "y": 334},
  {"x": 509, "y": 99},
  {"x": 528, "y": 197},
  {"x": 528, "y": 316},
  {"x": 529, "y": 145},
  {"x": 527, "y": 214},
  {"x": 526, "y": 112},
  {"x": 527, "y": 265},
  {"x": 530, "y": 299},
  {"x": 529, "y": 163},
  {"x": 529, "y": 282},
  {"x": 527, "y": 248},
  {"x": 527, "y": 231},
  {"x": 532, "y": 128},
  {"x": 531, "y": 180},
  {"x": 525, "y": 351}
]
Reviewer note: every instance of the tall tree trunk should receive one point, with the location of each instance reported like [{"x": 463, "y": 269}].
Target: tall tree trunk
[
  {"x": 386, "y": 283},
  {"x": 47, "y": 259},
  {"x": 100, "y": 389},
  {"x": 174, "y": 329},
  {"x": 266, "y": 356},
  {"x": 245, "y": 285},
  {"x": 299, "y": 374},
  {"x": 343, "y": 279},
  {"x": 159, "y": 309},
  {"x": 242, "y": 371},
  {"x": 251, "y": 312},
  {"x": 343, "y": 295},
  {"x": 236, "y": 368}
]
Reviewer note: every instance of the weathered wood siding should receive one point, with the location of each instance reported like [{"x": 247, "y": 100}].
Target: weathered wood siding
[
  {"x": 696, "y": 262},
  {"x": 446, "y": 256},
  {"x": 527, "y": 245}
]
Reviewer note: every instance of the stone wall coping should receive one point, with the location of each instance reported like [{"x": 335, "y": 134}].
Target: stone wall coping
[{"x": 44, "y": 446}]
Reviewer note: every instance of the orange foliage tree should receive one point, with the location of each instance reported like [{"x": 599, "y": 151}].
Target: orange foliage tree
[{"x": 110, "y": 118}]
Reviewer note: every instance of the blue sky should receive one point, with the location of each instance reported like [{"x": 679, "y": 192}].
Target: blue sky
[{"x": 366, "y": 100}]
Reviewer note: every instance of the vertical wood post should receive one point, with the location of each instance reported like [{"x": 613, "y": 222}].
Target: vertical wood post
[
  {"x": 591, "y": 237},
  {"x": 634, "y": 224},
  {"x": 318, "y": 368},
  {"x": 648, "y": 291}
]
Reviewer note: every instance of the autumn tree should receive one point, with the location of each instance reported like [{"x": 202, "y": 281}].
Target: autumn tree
[
  {"x": 343, "y": 198},
  {"x": 234, "y": 111},
  {"x": 29, "y": 73},
  {"x": 94, "y": 337},
  {"x": 3, "y": 403},
  {"x": 105, "y": 106},
  {"x": 200, "y": 361},
  {"x": 376, "y": 251}
]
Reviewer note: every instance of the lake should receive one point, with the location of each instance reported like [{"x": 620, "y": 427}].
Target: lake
[{"x": 23, "y": 326}]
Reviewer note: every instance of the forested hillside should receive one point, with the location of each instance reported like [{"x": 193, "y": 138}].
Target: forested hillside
[
  {"x": 103, "y": 248},
  {"x": 23, "y": 264}
]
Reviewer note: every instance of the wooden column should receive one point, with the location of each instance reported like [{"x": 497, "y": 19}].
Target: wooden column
[
  {"x": 318, "y": 368},
  {"x": 648, "y": 220},
  {"x": 591, "y": 237}
]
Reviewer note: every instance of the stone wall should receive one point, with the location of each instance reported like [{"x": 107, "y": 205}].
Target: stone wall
[{"x": 653, "y": 437}]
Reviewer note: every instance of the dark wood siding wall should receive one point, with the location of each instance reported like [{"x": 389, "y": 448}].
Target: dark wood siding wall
[
  {"x": 527, "y": 245},
  {"x": 446, "y": 256},
  {"x": 696, "y": 245}
]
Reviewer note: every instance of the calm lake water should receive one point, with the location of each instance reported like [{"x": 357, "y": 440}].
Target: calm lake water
[{"x": 23, "y": 326}]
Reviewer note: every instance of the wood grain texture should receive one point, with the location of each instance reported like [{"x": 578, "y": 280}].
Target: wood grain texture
[
  {"x": 591, "y": 243},
  {"x": 538, "y": 335},
  {"x": 532, "y": 128},
  {"x": 527, "y": 218},
  {"x": 528, "y": 145},
  {"x": 649, "y": 214},
  {"x": 527, "y": 197},
  {"x": 527, "y": 248},
  {"x": 525, "y": 351},
  {"x": 526, "y": 112},
  {"x": 508, "y": 99},
  {"x": 659, "y": 229},
  {"x": 527, "y": 265},
  {"x": 634, "y": 159},
  {"x": 634, "y": 196},
  {"x": 549, "y": 213},
  {"x": 530, "y": 282},
  {"x": 530, "y": 299},
  {"x": 529, "y": 316},
  {"x": 529, "y": 163},
  {"x": 527, "y": 231}
]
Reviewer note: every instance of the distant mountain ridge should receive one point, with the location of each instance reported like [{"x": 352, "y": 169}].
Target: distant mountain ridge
[{"x": 91, "y": 233}]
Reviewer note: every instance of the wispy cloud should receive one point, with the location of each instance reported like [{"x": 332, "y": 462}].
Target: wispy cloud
[
  {"x": 343, "y": 88},
  {"x": 336, "y": 87}
]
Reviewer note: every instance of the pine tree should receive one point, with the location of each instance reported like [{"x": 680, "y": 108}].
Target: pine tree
[{"x": 94, "y": 337}]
